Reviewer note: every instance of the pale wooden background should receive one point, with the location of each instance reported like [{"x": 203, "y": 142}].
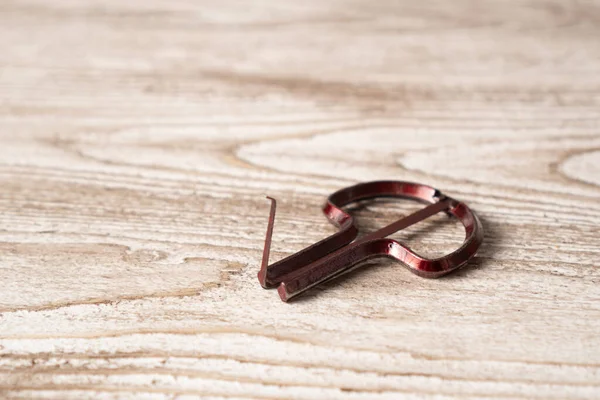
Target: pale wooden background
[{"x": 137, "y": 142}]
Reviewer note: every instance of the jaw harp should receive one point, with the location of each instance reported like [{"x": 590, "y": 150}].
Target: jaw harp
[{"x": 340, "y": 252}]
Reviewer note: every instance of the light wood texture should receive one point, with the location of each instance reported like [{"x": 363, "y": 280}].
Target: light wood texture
[{"x": 137, "y": 142}]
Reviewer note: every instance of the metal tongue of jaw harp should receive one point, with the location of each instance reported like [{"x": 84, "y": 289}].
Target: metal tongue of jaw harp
[{"x": 340, "y": 252}]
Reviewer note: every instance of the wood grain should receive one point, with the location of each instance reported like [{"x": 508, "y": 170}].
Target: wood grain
[{"x": 137, "y": 142}]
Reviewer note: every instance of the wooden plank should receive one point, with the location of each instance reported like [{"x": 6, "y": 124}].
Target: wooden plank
[{"x": 137, "y": 142}]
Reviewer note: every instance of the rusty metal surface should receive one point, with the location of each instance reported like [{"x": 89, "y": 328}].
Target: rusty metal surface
[{"x": 340, "y": 252}]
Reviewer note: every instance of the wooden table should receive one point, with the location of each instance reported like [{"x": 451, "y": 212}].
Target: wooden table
[{"x": 137, "y": 142}]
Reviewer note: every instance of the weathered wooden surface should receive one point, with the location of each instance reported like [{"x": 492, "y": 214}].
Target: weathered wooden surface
[{"x": 137, "y": 142}]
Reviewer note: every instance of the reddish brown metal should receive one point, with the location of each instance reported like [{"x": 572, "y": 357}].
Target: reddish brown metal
[{"x": 338, "y": 254}]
